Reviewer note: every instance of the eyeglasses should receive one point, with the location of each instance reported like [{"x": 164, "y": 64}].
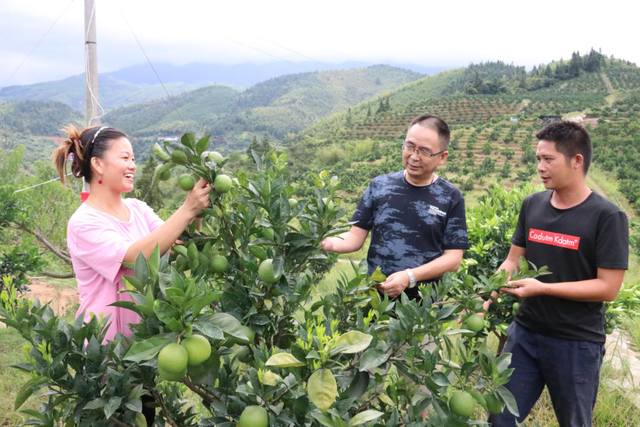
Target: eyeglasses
[{"x": 422, "y": 152}]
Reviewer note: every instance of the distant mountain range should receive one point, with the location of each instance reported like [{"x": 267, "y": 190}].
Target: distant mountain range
[{"x": 138, "y": 84}]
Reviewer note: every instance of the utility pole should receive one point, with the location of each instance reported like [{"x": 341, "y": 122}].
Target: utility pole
[
  {"x": 91, "y": 74},
  {"x": 91, "y": 58}
]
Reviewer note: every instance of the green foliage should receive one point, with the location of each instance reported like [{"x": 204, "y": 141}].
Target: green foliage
[
  {"x": 336, "y": 361},
  {"x": 150, "y": 194},
  {"x": 16, "y": 263},
  {"x": 36, "y": 117}
]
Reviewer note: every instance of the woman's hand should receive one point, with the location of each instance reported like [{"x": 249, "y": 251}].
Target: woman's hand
[{"x": 198, "y": 198}]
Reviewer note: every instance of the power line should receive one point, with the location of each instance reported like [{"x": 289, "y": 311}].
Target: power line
[
  {"x": 257, "y": 50},
  {"x": 37, "y": 44},
  {"x": 38, "y": 185},
  {"x": 152, "y": 67},
  {"x": 292, "y": 51}
]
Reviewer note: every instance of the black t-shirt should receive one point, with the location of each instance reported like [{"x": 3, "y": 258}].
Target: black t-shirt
[
  {"x": 410, "y": 226},
  {"x": 573, "y": 243}
]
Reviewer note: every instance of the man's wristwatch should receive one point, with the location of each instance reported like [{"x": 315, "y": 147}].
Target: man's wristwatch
[{"x": 412, "y": 278}]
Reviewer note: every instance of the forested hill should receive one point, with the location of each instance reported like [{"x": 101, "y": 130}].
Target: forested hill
[
  {"x": 71, "y": 91},
  {"x": 20, "y": 119},
  {"x": 277, "y": 107}
]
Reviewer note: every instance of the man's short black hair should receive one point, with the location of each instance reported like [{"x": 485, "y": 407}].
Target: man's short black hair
[
  {"x": 570, "y": 138},
  {"x": 437, "y": 124}
]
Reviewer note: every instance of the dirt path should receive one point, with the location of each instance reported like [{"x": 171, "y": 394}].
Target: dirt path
[
  {"x": 626, "y": 360},
  {"x": 607, "y": 83},
  {"x": 62, "y": 300}
]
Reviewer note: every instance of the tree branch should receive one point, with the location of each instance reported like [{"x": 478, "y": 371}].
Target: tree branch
[
  {"x": 58, "y": 275},
  {"x": 164, "y": 408},
  {"x": 59, "y": 253},
  {"x": 197, "y": 390}
]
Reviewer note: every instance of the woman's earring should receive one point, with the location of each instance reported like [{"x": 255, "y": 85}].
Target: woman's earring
[{"x": 100, "y": 179}]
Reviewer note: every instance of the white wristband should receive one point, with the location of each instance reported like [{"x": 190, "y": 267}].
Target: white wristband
[{"x": 412, "y": 278}]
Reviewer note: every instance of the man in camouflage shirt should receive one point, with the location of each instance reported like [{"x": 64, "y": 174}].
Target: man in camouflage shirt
[{"x": 416, "y": 218}]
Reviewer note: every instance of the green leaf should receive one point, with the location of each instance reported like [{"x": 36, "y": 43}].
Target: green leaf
[
  {"x": 188, "y": 140},
  {"x": 135, "y": 282},
  {"x": 364, "y": 417},
  {"x": 154, "y": 264},
  {"x": 112, "y": 406},
  {"x": 165, "y": 311},
  {"x": 229, "y": 325},
  {"x": 509, "y": 400},
  {"x": 96, "y": 404},
  {"x": 378, "y": 276},
  {"x": 284, "y": 360},
  {"x": 324, "y": 419},
  {"x": 142, "y": 269},
  {"x": 322, "y": 389},
  {"x": 202, "y": 145},
  {"x": 358, "y": 385},
  {"x": 27, "y": 390},
  {"x": 351, "y": 342},
  {"x": 147, "y": 349},
  {"x": 201, "y": 303},
  {"x": 209, "y": 330},
  {"x": 372, "y": 358}
]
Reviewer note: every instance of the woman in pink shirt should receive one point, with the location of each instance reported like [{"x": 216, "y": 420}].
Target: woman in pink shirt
[{"x": 108, "y": 230}]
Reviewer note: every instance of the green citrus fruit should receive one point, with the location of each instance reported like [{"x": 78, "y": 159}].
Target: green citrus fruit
[
  {"x": 186, "y": 182},
  {"x": 267, "y": 233},
  {"x": 173, "y": 358},
  {"x": 244, "y": 354},
  {"x": 473, "y": 323},
  {"x": 266, "y": 272},
  {"x": 163, "y": 172},
  {"x": 462, "y": 403},
  {"x": 222, "y": 183},
  {"x": 608, "y": 330},
  {"x": 515, "y": 306},
  {"x": 611, "y": 323},
  {"x": 219, "y": 264},
  {"x": 172, "y": 377},
  {"x": 216, "y": 157},
  {"x": 198, "y": 348},
  {"x": 292, "y": 203},
  {"x": 254, "y": 416},
  {"x": 493, "y": 404}
]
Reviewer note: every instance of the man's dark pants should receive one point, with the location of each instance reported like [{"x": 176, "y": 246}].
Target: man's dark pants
[{"x": 569, "y": 369}]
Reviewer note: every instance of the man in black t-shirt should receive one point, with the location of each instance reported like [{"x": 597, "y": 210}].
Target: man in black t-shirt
[
  {"x": 557, "y": 338},
  {"x": 416, "y": 219}
]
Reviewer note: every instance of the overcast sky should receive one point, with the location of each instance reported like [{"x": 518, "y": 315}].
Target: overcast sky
[{"x": 446, "y": 33}]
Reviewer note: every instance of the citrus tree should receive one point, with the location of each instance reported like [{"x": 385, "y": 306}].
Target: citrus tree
[{"x": 233, "y": 332}]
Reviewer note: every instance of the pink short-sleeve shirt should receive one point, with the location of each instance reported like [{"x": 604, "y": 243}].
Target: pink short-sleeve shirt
[{"x": 98, "y": 243}]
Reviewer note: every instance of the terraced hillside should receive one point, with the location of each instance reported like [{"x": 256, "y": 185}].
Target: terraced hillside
[
  {"x": 386, "y": 116},
  {"x": 492, "y": 135}
]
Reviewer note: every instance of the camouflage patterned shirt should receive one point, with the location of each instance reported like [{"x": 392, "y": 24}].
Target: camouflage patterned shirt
[{"x": 410, "y": 226}]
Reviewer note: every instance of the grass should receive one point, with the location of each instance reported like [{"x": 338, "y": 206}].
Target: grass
[{"x": 11, "y": 380}]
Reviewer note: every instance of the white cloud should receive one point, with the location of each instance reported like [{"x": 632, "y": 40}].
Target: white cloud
[{"x": 426, "y": 33}]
